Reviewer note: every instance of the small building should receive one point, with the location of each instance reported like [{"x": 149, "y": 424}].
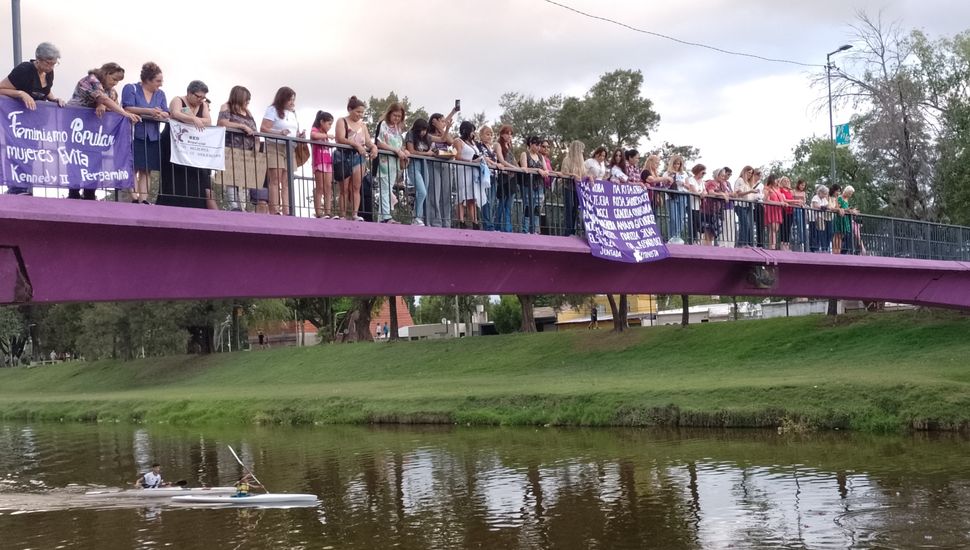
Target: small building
[{"x": 641, "y": 310}]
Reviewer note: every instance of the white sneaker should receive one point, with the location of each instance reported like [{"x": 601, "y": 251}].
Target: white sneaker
[
  {"x": 418, "y": 221},
  {"x": 358, "y": 219},
  {"x": 676, "y": 240}
]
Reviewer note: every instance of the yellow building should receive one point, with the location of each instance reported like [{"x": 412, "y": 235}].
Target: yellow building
[{"x": 641, "y": 308}]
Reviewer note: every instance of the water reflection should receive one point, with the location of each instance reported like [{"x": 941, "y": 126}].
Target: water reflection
[{"x": 494, "y": 488}]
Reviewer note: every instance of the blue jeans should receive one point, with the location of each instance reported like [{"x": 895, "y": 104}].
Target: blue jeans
[
  {"x": 531, "y": 191},
  {"x": 745, "y": 235},
  {"x": 569, "y": 208},
  {"x": 798, "y": 230},
  {"x": 504, "y": 195},
  {"x": 676, "y": 210},
  {"x": 417, "y": 173}
]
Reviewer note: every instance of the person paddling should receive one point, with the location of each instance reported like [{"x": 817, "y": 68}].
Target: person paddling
[
  {"x": 246, "y": 483},
  {"x": 152, "y": 479}
]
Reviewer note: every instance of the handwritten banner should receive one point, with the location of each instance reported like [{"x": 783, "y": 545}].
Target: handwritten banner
[
  {"x": 620, "y": 224},
  {"x": 205, "y": 148},
  {"x": 67, "y": 147}
]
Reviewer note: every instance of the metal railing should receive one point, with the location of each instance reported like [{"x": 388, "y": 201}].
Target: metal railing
[{"x": 262, "y": 175}]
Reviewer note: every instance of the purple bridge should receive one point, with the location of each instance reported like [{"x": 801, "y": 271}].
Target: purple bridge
[{"x": 54, "y": 250}]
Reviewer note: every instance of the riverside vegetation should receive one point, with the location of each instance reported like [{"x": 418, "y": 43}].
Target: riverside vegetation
[{"x": 868, "y": 372}]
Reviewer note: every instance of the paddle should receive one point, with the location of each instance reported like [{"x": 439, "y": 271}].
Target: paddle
[
  {"x": 248, "y": 471},
  {"x": 181, "y": 483}
]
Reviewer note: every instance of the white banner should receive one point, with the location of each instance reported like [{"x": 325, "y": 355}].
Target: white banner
[{"x": 203, "y": 148}]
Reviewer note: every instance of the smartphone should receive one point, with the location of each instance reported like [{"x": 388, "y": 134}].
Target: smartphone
[{"x": 457, "y": 104}]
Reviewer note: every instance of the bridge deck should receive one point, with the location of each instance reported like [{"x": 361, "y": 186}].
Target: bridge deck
[{"x": 55, "y": 250}]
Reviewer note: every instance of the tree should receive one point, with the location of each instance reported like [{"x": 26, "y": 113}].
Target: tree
[
  {"x": 943, "y": 68},
  {"x": 12, "y": 330},
  {"x": 59, "y": 327},
  {"x": 895, "y": 131},
  {"x": 478, "y": 119},
  {"x": 322, "y": 313},
  {"x": 377, "y": 106},
  {"x": 507, "y": 315},
  {"x": 619, "y": 310},
  {"x": 432, "y": 309},
  {"x": 527, "y": 301},
  {"x": 530, "y": 116},
  {"x": 128, "y": 330},
  {"x": 392, "y": 310},
  {"x": 612, "y": 113},
  {"x": 668, "y": 150},
  {"x": 360, "y": 315},
  {"x": 812, "y": 162}
]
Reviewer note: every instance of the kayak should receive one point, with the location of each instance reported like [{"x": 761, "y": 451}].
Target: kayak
[
  {"x": 161, "y": 492},
  {"x": 261, "y": 498}
]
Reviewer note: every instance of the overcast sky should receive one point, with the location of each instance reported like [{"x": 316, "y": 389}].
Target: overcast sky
[{"x": 736, "y": 110}]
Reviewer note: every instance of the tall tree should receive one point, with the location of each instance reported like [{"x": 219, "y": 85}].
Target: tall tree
[
  {"x": 507, "y": 315},
  {"x": 668, "y": 150},
  {"x": 12, "y": 331},
  {"x": 531, "y": 116},
  {"x": 613, "y": 113},
  {"x": 619, "y": 310},
  {"x": 895, "y": 132},
  {"x": 527, "y": 301},
  {"x": 812, "y": 162},
  {"x": 377, "y": 106},
  {"x": 943, "y": 68},
  {"x": 392, "y": 310}
]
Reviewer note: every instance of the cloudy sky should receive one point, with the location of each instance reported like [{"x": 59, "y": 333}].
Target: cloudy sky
[{"x": 736, "y": 110}]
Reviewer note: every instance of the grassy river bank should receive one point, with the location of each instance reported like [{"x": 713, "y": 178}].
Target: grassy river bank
[{"x": 876, "y": 372}]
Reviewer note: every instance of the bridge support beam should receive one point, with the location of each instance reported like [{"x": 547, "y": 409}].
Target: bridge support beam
[{"x": 101, "y": 251}]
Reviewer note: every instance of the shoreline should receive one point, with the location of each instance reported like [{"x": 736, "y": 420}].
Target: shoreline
[{"x": 877, "y": 373}]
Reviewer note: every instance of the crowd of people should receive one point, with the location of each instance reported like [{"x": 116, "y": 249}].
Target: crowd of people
[{"x": 471, "y": 179}]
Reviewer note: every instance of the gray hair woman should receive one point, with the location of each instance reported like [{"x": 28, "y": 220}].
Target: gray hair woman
[{"x": 31, "y": 81}]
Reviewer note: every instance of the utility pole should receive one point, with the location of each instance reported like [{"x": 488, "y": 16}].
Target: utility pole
[
  {"x": 18, "y": 55},
  {"x": 828, "y": 73}
]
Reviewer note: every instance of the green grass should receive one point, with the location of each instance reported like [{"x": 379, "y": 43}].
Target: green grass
[{"x": 877, "y": 372}]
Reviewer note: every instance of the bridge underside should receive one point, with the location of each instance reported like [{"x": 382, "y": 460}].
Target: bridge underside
[{"x": 54, "y": 250}]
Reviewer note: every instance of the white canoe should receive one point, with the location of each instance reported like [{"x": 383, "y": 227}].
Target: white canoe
[
  {"x": 162, "y": 492},
  {"x": 252, "y": 499}
]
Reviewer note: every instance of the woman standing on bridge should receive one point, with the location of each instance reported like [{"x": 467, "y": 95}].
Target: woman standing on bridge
[
  {"x": 32, "y": 81},
  {"x": 717, "y": 194},
  {"x": 147, "y": 100},
  {"x": 185, "y": 185},
  {"x": 280, "y": 119},
  {"x": 441, "y": 173},
  {"x": 352, "y": 132},
  {"x": 390, "y": 137},
  {"x": 97, "y": 91},
  {"x": 245, "y": 166},
  {"x": 506, "y": 180},
  {"x": 418, "y": 146}
]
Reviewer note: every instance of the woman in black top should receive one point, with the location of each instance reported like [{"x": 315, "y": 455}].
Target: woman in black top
[
  {"x": 31, "y": 81},
  {"x": 185, "y": 185}
]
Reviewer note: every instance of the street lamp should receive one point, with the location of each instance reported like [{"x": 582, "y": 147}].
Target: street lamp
[{"x": 828, "y": 72}]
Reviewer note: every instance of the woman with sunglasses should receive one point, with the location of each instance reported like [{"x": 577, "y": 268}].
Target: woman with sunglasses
[{"x": 185, "y": 185}]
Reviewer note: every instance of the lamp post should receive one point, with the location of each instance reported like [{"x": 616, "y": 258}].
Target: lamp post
[
  {"x": 15, "y": 19},
  {"x": 828, "y": 72}
]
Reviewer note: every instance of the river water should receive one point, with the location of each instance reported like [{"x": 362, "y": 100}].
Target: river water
[{"x": 493, "y": 488}]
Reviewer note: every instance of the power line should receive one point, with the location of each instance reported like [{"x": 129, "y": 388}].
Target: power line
[{"x": 685, "y": 42}]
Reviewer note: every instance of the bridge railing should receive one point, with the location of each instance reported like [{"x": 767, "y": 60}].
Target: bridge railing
[
  {"x": 698, "y": 219},
  {"x": 262, "y": 175}
]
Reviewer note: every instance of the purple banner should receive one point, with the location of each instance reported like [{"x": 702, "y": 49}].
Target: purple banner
[
  {"x": 620, "y": 225},
  {"x": 68, "y": 147}
]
